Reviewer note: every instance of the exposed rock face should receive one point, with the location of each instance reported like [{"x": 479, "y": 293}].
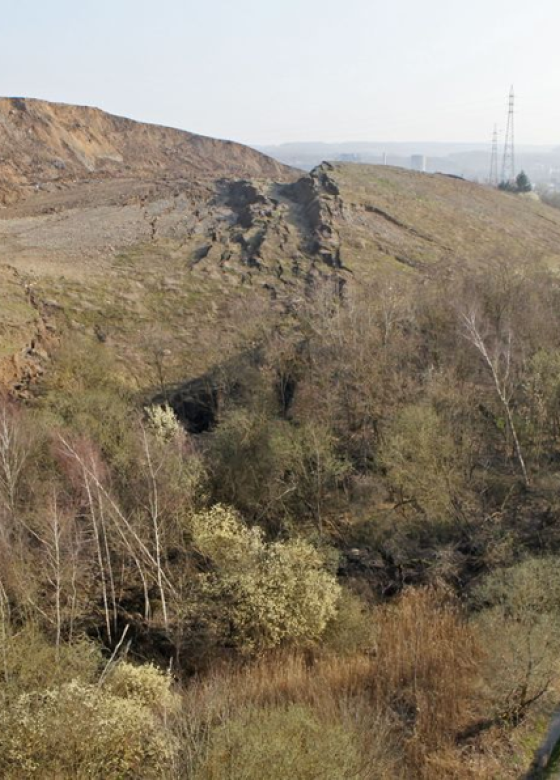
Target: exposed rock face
[
  {"x": 318, "y": 195},
  {"x": 27, "y": 333},
  {"x": 46, "y": 146},
  {"x": 244, "y": 197}
]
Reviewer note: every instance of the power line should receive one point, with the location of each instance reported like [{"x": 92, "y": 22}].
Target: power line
[
  {"x": 508, "y": 167},
  {"x": 493, "y": 177}
]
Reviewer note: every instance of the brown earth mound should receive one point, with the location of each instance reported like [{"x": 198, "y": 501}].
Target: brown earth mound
[{"x": 48, "y": 146}]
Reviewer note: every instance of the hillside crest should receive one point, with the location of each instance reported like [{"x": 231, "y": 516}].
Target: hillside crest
[{"x": 49, "y": 146}]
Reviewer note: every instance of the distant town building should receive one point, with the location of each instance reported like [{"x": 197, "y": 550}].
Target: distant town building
[
  {"x": 418, "y": 162},
  {"x": 349, "y": 157}
]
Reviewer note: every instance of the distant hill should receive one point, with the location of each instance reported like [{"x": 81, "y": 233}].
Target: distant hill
[
  {"x": 470, "y": 160},
  {"x": 47, "y": 146}
]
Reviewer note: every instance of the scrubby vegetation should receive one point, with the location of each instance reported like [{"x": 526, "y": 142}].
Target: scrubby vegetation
[{"x": 349, "y": 569}]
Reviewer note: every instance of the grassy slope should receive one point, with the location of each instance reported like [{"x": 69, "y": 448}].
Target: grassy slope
[
  {"x": 91, "y": 255},
  {"x": 17, "y": 316},
  {"x": 441, "y": 221}
]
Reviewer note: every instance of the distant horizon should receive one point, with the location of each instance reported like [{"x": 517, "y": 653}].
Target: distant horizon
[
  {"x": 412, "y": 142},
  {"x": 263, "y": 74},
  {"x": 292, "y": 143}
]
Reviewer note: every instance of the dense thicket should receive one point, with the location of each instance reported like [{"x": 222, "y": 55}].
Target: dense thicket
[{"x": 361, "y": 547}]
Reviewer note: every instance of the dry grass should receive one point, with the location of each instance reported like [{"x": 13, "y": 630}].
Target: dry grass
[
  {"x": 406, "y": 702},
  {"x": 284, "y": 679},
  {"x": 332, "y": 692},
  {"x": 428, "y": 674}
]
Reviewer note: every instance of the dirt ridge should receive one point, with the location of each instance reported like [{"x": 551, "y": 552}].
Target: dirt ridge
[{"x": 47, "y": 146}]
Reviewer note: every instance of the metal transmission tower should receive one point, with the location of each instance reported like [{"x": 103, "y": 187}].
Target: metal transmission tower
[
  {"x": 493, "y": 177},
  {"x": 508, "y": 167}
]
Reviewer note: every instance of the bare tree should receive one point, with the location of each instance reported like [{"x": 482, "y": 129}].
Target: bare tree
[
  {"x": 105, "y": 510},
  {"x": 156, "y": 520},
  {"x": 14, "y": 453},
  {"x": 4, "y": 629},
  {"x": 498, "y": 362}
]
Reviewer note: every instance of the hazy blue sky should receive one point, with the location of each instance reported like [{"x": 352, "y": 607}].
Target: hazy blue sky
[{"x": 265, "y": 71}]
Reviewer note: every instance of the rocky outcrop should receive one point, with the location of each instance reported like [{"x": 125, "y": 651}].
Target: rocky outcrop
[
  {"x": 32, "y": 334},
  {"x": 319, "y": 197},
  {"x": 246, "y": 200}
]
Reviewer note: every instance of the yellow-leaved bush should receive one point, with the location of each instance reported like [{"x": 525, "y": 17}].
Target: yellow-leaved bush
[
  {"x": 276, "y": 593},
  {"x": 114, "y": 730},
  {"x": 163, "y": 422},
  {"x": 145, "y": 684}
]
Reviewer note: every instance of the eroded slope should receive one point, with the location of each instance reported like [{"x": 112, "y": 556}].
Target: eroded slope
[{"x": 48, "y": 146}]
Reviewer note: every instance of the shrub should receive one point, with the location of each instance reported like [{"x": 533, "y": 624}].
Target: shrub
[
  {"x": 352, "y": 629},
  {"x": 85, "y": 391},
  {"x": 29, "y": 662},
  {"x": 270, "y": 593},
  {"x": 310, "y": 466},
  {"x": 542, "y": 388},
  {"x": 281, "y": 743},
  {"x": 241, "y": 460},
  {"x": 144, "y": 684},
  {"x": 523, "y": 591},
  {"x": 80, "y": 730},
  {"x": 521, "y": 661},
  {"x": 521, "y": 629},
  {"x": 163, "y": 422},
  {"x": 264, "y": 465},
  {"x": 423, "y": 462}
]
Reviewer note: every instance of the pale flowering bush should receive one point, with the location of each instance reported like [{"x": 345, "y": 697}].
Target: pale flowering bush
[
  {"x": 83, "y": 730},
  {"x": 163, "y": 422},
  {"x": 144, "y": 684},
  {"x": 219, "y": 534},
  {"x": 272, "y": 593}
]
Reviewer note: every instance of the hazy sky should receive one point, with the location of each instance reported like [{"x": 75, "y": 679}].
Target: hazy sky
[{"x": 266, "y": 71}]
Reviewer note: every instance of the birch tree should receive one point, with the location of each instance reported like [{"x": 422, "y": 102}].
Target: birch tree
[{"x": 497, "y": 357}]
